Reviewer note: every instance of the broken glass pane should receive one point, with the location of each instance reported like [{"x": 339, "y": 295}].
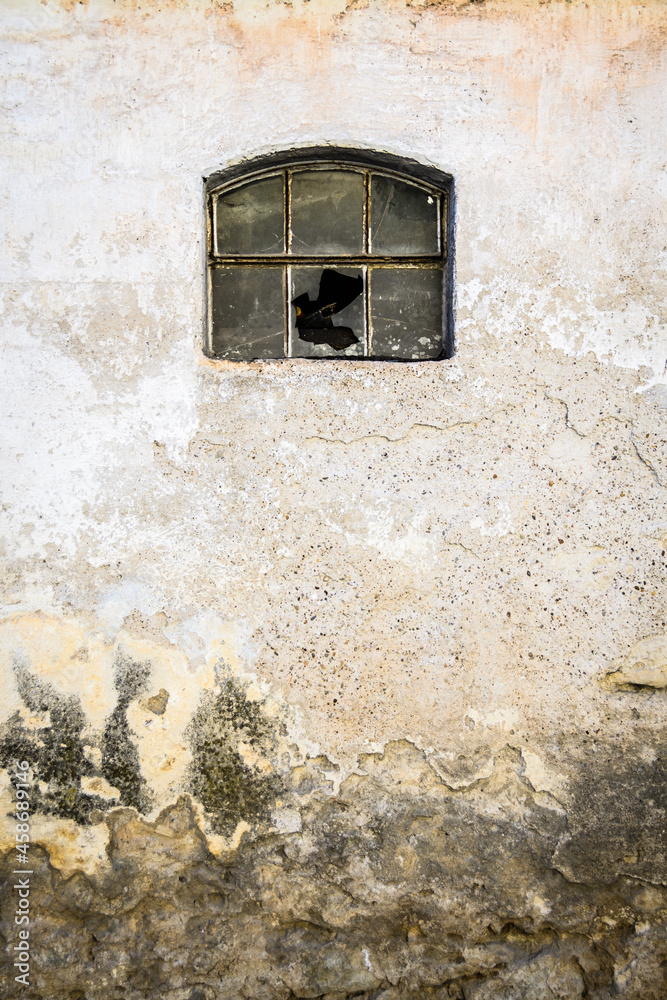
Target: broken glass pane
[
  {"x": 247, "y": 312},
  {"x": 250, "y": 219},
  {"x": 327, "y": 312},
  {"x": 406, "y": 312},
  {"x": 404, "y": 218},
  {"x": 327, "y": 212}
]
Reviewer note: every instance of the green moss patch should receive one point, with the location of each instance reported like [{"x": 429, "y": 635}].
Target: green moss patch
[{"x": 229, "y": 788}]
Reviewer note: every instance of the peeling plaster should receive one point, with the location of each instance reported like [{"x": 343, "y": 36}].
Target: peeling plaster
[{"x": 363, "y": 662}]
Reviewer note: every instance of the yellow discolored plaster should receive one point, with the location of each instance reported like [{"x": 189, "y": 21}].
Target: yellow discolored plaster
[{"x": 644, "y": 666}]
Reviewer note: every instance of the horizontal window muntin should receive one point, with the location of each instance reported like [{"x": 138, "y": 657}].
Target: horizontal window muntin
[
  {"x": 290, "y": 240},
  {"x": 340, "y": 259}
]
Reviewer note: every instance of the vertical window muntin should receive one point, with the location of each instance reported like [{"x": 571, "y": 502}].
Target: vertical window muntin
[{"x": 364, "y": 258}]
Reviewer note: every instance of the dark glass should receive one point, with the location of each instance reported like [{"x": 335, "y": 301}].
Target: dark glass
[
  {"x": 247, "y": 312},
  {"x": 327, "y": 211},
  {"x": 327, "y": 312},
  {"x": 404, "y": 218},
  {"x": 251, "y": 219},
  {"x": 406, "y": 312}
]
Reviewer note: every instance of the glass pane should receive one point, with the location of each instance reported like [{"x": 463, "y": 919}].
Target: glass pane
[
  {"x": 327, "y": 312},
  {"x": 327, "y": 212},
  {"x": 250, "y": 219},
  {"x": 247, "y": 312},
  {"x": 406, "y": 312},
  {"x": 404, "y": 218}
]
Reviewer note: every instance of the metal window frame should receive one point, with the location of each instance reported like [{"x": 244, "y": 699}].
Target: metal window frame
[{"x": 430, "y": 178}]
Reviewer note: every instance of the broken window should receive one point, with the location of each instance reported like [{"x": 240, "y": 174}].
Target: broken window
[{"x": 329, "y": 257}]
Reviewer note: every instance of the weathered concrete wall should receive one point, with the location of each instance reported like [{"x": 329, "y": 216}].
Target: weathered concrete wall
[{"x": 337, "y": 678}]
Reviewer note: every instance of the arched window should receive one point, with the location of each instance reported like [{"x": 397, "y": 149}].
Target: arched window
[{"x": 329, "y": 254}]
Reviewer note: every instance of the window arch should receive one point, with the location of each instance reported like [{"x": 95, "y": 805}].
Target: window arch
[{"x": 329, "y": 253}]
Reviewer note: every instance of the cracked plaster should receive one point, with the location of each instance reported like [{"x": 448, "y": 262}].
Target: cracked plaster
[{"x": 357, "y": 667}]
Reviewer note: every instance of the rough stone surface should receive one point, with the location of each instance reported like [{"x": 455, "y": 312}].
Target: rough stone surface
[
  {"x": 645, "y": 665},
  {"x": 336, "y": 679}
]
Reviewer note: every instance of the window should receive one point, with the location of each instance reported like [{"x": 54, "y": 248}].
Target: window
[{"x": 329, "y": 254}]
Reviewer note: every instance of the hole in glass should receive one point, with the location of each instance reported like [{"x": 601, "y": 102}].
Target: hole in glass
[{"x": 321, "y": 295}]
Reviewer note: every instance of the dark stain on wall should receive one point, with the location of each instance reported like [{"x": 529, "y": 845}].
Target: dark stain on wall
[
  {"x": 229, "y": 788},
  {"x": 55, "y": 747},
  {"x": 55, "y": 751},
  {"x": 397, "y": 887},
  {"x": 617, "y": 820},
  {"x": 120, "y": 758}
]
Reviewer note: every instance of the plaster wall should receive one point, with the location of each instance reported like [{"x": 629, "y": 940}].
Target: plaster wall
[{"x": 337, "y": 677}]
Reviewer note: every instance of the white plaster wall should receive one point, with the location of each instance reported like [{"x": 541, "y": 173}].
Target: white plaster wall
[{"x": 153, "y": 497}]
